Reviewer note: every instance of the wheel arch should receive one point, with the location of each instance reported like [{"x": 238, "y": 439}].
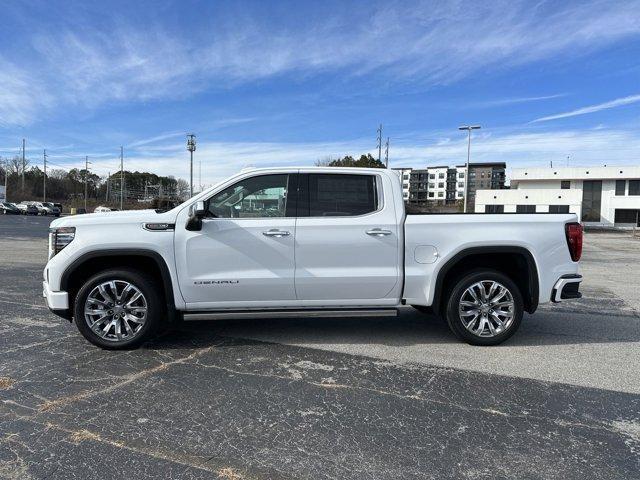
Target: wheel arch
[
  {"x": 516, "y": 262},
  {"x": 93, "y": 262}
]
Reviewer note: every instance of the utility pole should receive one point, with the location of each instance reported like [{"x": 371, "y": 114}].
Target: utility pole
[
  {"x": 191, "y": 146},
  {"x": 6, "y": 175},
  {"x": 44, "y": 189},
  {"x": 121, "y": 176},
  {"x": 86, "y": 180},
  {"x": 468, "y": 128},
  {"x": 379, "y": 142},
  {"x": 200, "y": 174},
  {"x": 386, "y": 154},
  {"x": 106, "y": 196},
  {"x": 23, "y": 163}
]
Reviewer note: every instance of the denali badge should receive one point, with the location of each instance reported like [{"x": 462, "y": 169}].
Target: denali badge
[{"x": 216, "y": 282}]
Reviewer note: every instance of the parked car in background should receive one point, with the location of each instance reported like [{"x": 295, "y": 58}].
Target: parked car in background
[
  {"x": 7, "y": 208},
  {"x": 59, "y": 205},
  {"x": 101, "y": 209},
  {"x": 27, "y": 208},
  {"x": 37, "y": 205},
  {"x": 55, "y": 211}
]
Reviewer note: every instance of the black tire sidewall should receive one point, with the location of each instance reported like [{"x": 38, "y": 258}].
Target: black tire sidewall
[
  {"x": 148, "y": 288},
  {"x": 453, "y": 319}
]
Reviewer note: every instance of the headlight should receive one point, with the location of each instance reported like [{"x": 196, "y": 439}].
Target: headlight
[{"x": 59, "y": 238}]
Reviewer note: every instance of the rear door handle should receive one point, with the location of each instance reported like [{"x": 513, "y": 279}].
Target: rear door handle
[
  {"x": 274, "y": 232},
  {"x": 378, "y": 232}
]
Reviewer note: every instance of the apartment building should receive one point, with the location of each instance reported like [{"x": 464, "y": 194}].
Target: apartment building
[
  {"x": 405, "y": 177},
  {"x": 602, "y": 196}
]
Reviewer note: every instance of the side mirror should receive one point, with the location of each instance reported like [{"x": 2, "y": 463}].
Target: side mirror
[
  {"x": 199, "y": 209},
  {"x": 194, "y": 223}
]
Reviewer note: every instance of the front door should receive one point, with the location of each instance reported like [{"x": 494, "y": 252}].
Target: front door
[
  {"x": 243, "y": 256},
  {"x": 347, "y": 240}
]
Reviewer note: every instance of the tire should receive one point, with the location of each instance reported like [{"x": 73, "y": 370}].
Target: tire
[
  {"x": 485, "y": 327},
  {"x": 115, "y": 327}
]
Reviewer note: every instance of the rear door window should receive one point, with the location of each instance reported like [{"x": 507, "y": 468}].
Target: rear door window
[{"x": 337, "y": 195}]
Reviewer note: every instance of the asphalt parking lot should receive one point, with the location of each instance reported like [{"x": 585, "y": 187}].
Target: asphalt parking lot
[{"x": 324, "y": 399}]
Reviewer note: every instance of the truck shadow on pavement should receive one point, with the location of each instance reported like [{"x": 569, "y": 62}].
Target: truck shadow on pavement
[{"x": 551, "y": 325}]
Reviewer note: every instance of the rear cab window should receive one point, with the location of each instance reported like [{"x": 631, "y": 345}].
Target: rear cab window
[{"x": 337, "y": 195}]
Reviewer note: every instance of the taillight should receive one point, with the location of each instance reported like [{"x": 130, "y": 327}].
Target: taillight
[{"x": 574, "y": 240}]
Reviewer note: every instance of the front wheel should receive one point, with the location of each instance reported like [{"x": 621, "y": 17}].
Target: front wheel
[
  {"x": 485, "y": 308},
  {"x": 118, "y": 309}
]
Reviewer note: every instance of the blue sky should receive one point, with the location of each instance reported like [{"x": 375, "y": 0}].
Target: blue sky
[{"x": 283, "y": 83}]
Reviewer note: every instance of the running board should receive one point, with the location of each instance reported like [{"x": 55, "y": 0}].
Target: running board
[{"x": 320, "y": 313}]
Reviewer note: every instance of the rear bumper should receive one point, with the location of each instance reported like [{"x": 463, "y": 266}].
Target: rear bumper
[{"x": 566, "y": 288}]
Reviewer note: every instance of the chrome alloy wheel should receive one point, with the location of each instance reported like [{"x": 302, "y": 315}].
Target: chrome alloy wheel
[
  {"x": 115, "y": 311},
  {"x": 486, "y": 308}
]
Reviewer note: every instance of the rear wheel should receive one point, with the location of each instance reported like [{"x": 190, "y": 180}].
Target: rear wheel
[
  {"x": 485, "y": 308},
  {"x": 118, "y": 309}
]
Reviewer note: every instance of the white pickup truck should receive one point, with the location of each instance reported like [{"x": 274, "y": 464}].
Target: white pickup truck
[{"x": 292, "y": 242}]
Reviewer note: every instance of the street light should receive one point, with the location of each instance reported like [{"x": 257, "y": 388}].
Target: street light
[
  {"x": 468, "y": 128},
  {"x": 191, "y": 146}
]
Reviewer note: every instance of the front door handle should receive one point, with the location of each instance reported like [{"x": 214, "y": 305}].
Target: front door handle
[
  {"x": 274, "y": 232},
  {"x": 378, "y": 232}
]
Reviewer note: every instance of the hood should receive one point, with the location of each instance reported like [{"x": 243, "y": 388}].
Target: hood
[{"x": 115, "y": 218}]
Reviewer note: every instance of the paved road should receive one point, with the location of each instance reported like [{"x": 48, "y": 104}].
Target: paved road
[{"x": 324, "y": 399}]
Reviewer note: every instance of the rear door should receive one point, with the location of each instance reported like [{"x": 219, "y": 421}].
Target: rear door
[{"x": 347, "y": 239}]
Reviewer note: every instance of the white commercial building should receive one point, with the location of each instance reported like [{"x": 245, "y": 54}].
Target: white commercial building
[
  {"x": 405, "y": 176},
  {"x": 603, "y": 196}
]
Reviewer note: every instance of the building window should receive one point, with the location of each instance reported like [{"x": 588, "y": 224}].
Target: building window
[
  {"x": 440, "y": 194},
  {"x": 432, "y": 185},
  {"x": 406, "y": 177},
  {"x": 634, "y": 187},
  {"x": 430, "y": 194},
  {"x": 565, "y": 184},
  {"x": 525, "y": 209},
  {"x": 621, "y": 186},
  {"x": 558, "y": 208},
  {"x": 591, "y": 197},
  {"x": 629, "y": 216},
  {"x": 460, "y": 174},
  {"x": 461, "y": 184},
  {"x": 441, "y": 185},
  {"x": 494, "y": 209},
  {"x": 432, "y": 176}
]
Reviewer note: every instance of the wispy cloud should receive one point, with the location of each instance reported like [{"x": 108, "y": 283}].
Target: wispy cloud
[
  {"x": 619, "y": 102},
  {"x": 517, "y": 100},
  {"x": 222, "y": 159},
  {"x": 156, "y": 139},
  {"x": 427, "y": 43}
]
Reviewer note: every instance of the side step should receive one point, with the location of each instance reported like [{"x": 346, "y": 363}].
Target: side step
[{"x": 304, "y": 313}]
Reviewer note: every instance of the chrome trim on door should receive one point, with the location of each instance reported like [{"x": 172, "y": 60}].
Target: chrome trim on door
[
  {"x": 274, "y": 232},
  {"x": 378, "y": 232}
]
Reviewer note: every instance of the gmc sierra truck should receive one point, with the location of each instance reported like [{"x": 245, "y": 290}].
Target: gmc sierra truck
[{"x": 292, "y": 242}]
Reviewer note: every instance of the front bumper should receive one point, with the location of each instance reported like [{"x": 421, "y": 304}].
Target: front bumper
[
  {"x": 55, "y": 300},
  {"x": 566, "y": 288}
]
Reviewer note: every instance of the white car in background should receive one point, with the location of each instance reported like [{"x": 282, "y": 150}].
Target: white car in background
[{"x": 101, "y": 209}]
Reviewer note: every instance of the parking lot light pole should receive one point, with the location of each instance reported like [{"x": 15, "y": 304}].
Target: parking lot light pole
[
  {"x": 44, "y": 186},
  {"x": 468, "y": 128}
]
